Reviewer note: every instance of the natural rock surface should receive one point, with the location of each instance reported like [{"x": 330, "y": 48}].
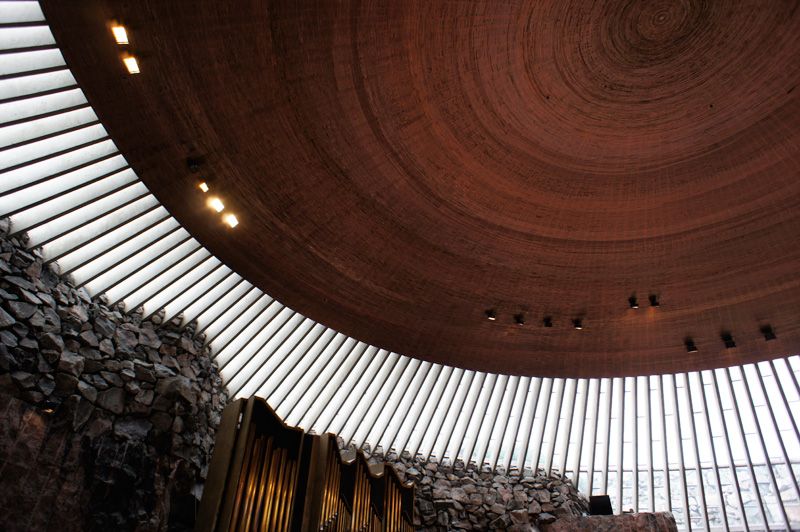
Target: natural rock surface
[
  {"x": 456, "y": 498},
  {"x": 107, "y": 419},
  {"x": 658, "y": 522}
]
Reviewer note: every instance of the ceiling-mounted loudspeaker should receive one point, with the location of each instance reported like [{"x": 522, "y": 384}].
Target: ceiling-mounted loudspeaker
[
  {"x": 548, "y": 321},
  {"x": 728, "y": 340},
  {"x": 768, "y": 333}
]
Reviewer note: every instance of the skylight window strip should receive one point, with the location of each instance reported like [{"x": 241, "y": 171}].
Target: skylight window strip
[
  {"x": 387, "y": 401},
  {"x": 121, "y": 271},
  {"x": 354, "y": 424},
  {"x": 445, "y": 404},
  {"x": 240, "y": 346},
  {"x": 670, "y": 389},
  {"x": 461, "y": 382},
  {"x": 152, "y": 269},
  {"x": 182, "y": 286},
  {"x": 499, "y": 425},
  {"x": 403, "y": 400},
  {"x": 579, "y": 426},
  {"x": 31, "y": 131},
  {"x": 19, "y": 12},
  {"x": 116, "y": 254},
  {"x": 477, "y": 418},
  {"x": 310, "y": 394},
  {"x": 726, "y": 374},
  {"x": 80, "y": 246},
  {"x": 25, "y": 37},
  {"x": 214, "y": 304},
  {"x": 255, "y": 369},
  {"x": 52, "y": 208},
  {"x": 35, "y": 84},
  {"x": 21, "y": 63},
  {"x": 226, "y": 337},
  {"x": 512, "y": 431},
  {"x": 200, "y": 293},
  {"x": 695, "y": 448},
  {"x": 52, "y": 145},
  {"x": 431, "y": 403},
  {"x": 84, "y": 215},
  {"x": 172, "y": 283},
  {"x": 593, "y": 415},
  {"x": 411, "y": 407},
  {"x": 42, "y": 191},
  {"x": 334, "y": 390},
  {"x": 165, "y": 280},
  {"x": 215, "y": 326},
  {"x": 321, "y": 357},
  {"x": 358, "y": 382},
  {"x": 455, "y": 439},
  {"x": 747, "y": 375},
  {"x": 526, "y": 421},
  {"x": 37, "y": 107},
  {"x": 51, "y": 167},
  {"x": 551, "y": 424},
  {"x": 788, "y": 411},
  {"x": 539, "y": 422},
  {"x": 605, "y": 415},
  {"x": 301, "y": 372},
  {"x": 565, "y": 434},
  {"x": 265, "y": 350}
]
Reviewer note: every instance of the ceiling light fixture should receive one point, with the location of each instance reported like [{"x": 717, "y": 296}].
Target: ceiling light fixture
[
  {"x": 653, "y": 300},
  {"x": 203, "y": 187},
  {"x": 690, "y": 347},
  {"x": 519, "y": 319},
  {"x": 232, "y": 221},
  {"x": 548, "y": 321},
  {"x": 120, "y": 35},
  {"x": 491, "y": 315},
  {"x": 768, "y": 333},
  {"x": 131, "y": 65},
  {"x": 578, "y": 323},
  {"x": 216, "y": 204},
  {"x": 632, "y": 301}
]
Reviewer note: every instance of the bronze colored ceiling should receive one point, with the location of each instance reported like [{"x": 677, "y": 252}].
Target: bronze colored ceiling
[{"x": 399, "y": 168}]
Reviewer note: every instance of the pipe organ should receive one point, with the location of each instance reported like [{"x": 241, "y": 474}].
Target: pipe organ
[{"x": 266, "y": 476}]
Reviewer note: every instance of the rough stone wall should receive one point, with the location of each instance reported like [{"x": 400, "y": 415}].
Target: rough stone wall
[
  {"x": 464, "y": 499},
  {"x": 645, "y": 522},
  {"x": 107, "y": 421}
]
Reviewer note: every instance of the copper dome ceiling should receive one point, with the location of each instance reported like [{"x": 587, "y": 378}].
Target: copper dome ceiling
[{"x": 401, "y": 168}]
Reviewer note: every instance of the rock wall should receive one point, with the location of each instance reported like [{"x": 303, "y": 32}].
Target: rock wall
[
  {"x": 464, "y": 499},
  {"x": 657, "y": 522},
  {"x": 107, "y": 420}
]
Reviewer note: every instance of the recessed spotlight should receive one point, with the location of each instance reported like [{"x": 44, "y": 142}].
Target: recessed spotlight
[
  {"x": 120, "y": 35},
  {"x": 216, "y": 204},
  {"x": 232, "y": 221},
  {"x": 632, "y": 302},
  {"x": 548, "y": 321},
  {"x": 690, "y": 347},
  {"x": 768, "y": 333},
  {"x": 728, "y": 340},
  {"x": 519, "y": 319},
  {"x": 577, "y": 323},
  {"x": 653, "y": 300},
  {"x": 491, "y": 315},
  {"x": 131, "y": 65},
  {"x": 203, "y": 187}
]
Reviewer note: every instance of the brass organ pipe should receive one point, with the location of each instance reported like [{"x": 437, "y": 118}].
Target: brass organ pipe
[
  {"x": 281, "y": 493},
  {"x": 252, "y": 486},
  {"x": 267, "y": 522},
  {"x": 243, "y": 477},
  {"x": 292, "y": 486},
  {"x": 262, "y": 480}
]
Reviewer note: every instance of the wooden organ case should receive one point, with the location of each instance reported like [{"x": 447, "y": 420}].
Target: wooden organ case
[{"x": 267, "y": 476}]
